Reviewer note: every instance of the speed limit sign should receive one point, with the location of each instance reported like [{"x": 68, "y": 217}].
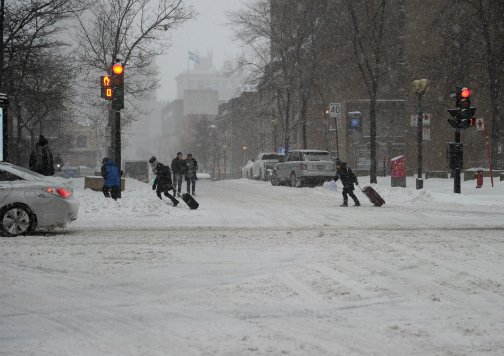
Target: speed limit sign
[{"x": 335, "y": 110}]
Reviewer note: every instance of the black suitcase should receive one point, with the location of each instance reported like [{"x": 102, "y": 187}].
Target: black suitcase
[
  {"x": 190, "y": 201},
  {"x": 373, "y": 196}
]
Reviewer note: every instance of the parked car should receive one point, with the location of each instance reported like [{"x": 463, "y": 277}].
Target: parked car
[
  {"x": 246, "y": 171},
  {"x": 204, "y": 176},
  {"x": 263, "y": 165},
  {"x": 29, "y": 200},
  {"x": 304, "y": 168}
]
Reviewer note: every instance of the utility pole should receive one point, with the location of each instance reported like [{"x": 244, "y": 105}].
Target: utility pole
[{"x": 2, "y": 15}]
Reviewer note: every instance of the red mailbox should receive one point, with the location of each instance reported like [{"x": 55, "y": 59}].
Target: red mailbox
[{"x": 479, "y": 178}]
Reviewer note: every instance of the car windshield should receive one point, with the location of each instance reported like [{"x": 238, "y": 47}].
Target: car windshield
[
  {"x": 317, "y": 156},
  {"x": 23, "y": 172},
  {"x": 272, "y": 156}
]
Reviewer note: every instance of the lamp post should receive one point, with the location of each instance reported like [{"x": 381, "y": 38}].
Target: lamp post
[
  {"x": 244, "y": 156},
  {"x": 275, "y": 123},
  {"x": 419, "y": 87},
  {"x": 326, "y": 126},
  {"x": 224, "y": 149}
]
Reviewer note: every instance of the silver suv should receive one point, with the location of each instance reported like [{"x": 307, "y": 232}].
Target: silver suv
[{"x": 304, "y": 168}]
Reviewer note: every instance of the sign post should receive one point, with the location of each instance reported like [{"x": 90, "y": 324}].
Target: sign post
[
  {"x": 335, "y": 111},
  {"x": 426, "y": 134},
  {"x": 489, "y": 157},
  {"x": 4, "y": 132}
]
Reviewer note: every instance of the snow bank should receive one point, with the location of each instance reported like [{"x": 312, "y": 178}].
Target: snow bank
[{"x": 138, "y": 201}]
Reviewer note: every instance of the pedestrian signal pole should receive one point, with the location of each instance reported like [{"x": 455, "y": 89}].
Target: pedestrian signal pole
[{"x": 462, "y": 118}]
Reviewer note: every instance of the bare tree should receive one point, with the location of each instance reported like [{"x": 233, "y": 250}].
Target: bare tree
[
  {"x": 34, "y": 64},
  {"x": 367, "y": 31},
  {"x": 134, "y": 31}
]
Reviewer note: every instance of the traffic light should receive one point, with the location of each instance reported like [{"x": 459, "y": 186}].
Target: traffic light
[
  {"x": 118, "y": 86},
  {"x": 463, "y": 114},
  {"x": 106, "y": 87}
]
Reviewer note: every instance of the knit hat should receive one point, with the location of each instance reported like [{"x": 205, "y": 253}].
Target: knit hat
[
  {"x": 153, "y": 159},
  {"x": 42, "y": 140}
]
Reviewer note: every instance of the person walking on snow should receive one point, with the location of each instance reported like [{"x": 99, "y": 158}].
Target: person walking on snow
[
  {"x": 112, "y": 177},
  {"x": 41, "y": 158},
  {"x": 163, "y": 183},
  {"x": 191, "y": 166},
  {"x": 348, "y": 178},
  {"x": 178, "y": 168}
]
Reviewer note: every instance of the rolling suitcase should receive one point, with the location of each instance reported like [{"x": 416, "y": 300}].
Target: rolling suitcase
[
  {"x": 373, "y": 196},
  {"x": 190, "y": 201}
]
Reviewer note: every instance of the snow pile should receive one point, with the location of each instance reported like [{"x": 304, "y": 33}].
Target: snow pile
[{"x": 138, "y": 201}]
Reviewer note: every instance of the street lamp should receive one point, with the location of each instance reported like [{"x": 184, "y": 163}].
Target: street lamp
[
  {"x": 275, "y": 123},
  {"x": 244, "y": 158},
  {"x": 224, "y": 148},
  {"x": 419, "y": 87}
]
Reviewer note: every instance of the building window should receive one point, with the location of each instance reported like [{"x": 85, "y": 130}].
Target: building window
[
  {"x": 81, "y": 141},
  {"x": 82, "y": 160},
  {"x": 402, "y": 55},
  {"x": 402, "y": 5},
  {"x": 402, "y": 27}
]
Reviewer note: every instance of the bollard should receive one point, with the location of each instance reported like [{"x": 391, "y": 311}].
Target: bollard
[{"x": 479, "y": 178}]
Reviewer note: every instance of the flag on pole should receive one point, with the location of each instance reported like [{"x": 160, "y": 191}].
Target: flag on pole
[
  {"x": 197, "y": 60},
  {"x": 191, "y": 56}
]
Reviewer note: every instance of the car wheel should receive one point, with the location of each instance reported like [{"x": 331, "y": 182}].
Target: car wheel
[
  {"x": 274, "y": 180},
  {"x": 260, "y": 175},
  {"x": 17, "y": 219},
  {"x": 294, "y": 181}
]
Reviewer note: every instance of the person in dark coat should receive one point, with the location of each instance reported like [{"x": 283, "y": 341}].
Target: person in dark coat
[
  {"x": 178, "y": 167},
  {"x": 112, "y": 176},
  {"x": 348, "y": 179},
  {"x": 191, "y": 166},
  {"x": 163, "y": 183},
  {"x": 41, "y": 158}
]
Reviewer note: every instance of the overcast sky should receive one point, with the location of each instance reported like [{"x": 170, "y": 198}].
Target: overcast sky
[{"x": 206, "y": 32}]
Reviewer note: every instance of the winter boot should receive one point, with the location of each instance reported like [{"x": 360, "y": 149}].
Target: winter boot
[
  {"x": 175, "y": 203},
  {"x": 345, "y": 203},
  {"x": 357, "y": 203},
  {"x": 193, "y": 193}
]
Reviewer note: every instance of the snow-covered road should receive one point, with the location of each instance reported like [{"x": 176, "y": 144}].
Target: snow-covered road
[{"x": 261, "y": 270}]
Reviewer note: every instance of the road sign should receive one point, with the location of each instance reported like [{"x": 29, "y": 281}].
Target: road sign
[
  {"x": 480, "y": 125},
  {"x": 355, "y": 122},
  {"x": 426, "y": 134},
  {"x": 335, "y": 110},
  {"x": 426, "y": 119}
]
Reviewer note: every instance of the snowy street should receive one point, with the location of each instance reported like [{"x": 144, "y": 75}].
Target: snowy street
[{"x": 262, "y": 270}]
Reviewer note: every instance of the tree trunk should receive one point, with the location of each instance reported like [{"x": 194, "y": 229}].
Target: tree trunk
[
  {"x": 287, "y": 122},
  {"x": 304, "y": 109}
]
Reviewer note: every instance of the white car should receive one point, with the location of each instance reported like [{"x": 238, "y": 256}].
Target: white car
[
  {"x": 263, "y": 165},
  {"x": 246, "y": 171},
  {"x": 29, "y": 200}
]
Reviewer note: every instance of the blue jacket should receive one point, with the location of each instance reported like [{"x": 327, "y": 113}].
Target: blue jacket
[{"x": 110, "y": 173}]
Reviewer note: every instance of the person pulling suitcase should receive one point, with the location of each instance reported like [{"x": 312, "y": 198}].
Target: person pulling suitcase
[{"x": 348, "y": 178}]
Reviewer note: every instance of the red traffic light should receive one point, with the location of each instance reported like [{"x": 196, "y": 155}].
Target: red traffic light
[
  {"x": 465, "y": 93},
  {"x": 118, "y": 69}
]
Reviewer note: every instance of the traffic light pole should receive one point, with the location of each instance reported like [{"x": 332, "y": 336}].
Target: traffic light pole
[
  {"x": 456, "y": 180},
  {"x": 117, "y": 139},
  {"x": 419, "y": 181}
]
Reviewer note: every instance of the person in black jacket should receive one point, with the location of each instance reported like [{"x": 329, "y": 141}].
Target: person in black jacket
[
  {"x": 41, "y": 158},
  {"x": 191, "y": 167},
  {"x": 178, "y": 167},
  {"x": 348, "y": 179},
  {"x": 163, "y": 183}
]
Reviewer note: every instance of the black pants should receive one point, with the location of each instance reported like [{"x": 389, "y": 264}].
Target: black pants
[
  {"x": 168, "y": 195},
  {"x": 189, "y": 181},
  {"x": 346, "y": 193},
  {"x": 114, "y": 191}
]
